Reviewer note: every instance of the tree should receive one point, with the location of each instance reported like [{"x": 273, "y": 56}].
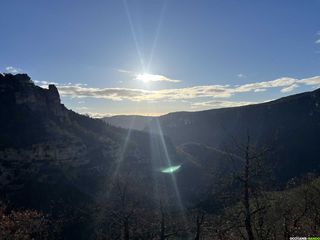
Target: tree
[
  {"x": 123, "y": 211},
  {"x": 199, "y": 220},
  {"x": 23, "y": 225},
  {"x": 250, "y": 176}
]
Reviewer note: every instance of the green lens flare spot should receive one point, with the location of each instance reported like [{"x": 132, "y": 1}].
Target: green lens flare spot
[{"x": 171, "y": 169}]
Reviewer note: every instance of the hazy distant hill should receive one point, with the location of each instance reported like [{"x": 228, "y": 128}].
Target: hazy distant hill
[
  {"x": 290, "y": 126},
  {"x": 129, "y": 121}
]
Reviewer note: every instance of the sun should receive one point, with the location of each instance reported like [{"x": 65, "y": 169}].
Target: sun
[
  {"x": 145, "y": 77},
  {"x": 148, "y": 77}
]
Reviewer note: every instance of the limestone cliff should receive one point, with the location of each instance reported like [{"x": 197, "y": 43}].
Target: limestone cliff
[{"x": 19, "y": 89}]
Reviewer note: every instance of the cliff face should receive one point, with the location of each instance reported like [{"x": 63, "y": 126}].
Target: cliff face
[
  {"x": 20, "y": 90},
  {"x": 40, "y": 138}
]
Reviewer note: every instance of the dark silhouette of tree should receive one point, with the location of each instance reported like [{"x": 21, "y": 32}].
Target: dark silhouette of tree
[
  {"x": 167, "y": 218},
  {"x": 199, "y": 220},
  {"x": 23, "y": 225},
  {"x": 246, "y": 195},
  {"x": 250, "y": 175}
]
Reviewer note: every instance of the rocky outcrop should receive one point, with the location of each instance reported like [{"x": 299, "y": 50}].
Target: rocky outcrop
[
  {"x": 19, "y": 89},
  {"x": 38, "y": 133}
]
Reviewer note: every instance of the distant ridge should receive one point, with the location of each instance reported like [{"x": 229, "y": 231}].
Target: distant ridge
[
  {"x": 129, "y": 121},
  {"x": 290, "y": 125}
]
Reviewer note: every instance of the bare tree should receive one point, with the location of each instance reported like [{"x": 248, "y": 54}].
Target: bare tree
[
  {"x": 199, "y": 220},
  {"x": 249, "y": 176},
  {"x": 246, "y": 189},
  {"x": 23, "y": 225}
]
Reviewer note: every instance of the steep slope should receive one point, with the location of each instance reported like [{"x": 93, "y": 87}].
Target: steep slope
[
  {"x": 53, "y": 159},
  {"x": 203, "y": 167},
  {"x": 38, "y": 134}
]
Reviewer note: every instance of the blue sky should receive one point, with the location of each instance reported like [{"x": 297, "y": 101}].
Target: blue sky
[{"x": 157, "y": 56}]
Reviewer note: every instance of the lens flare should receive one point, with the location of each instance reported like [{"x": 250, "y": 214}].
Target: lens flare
[{"x": 171, "y": 169}]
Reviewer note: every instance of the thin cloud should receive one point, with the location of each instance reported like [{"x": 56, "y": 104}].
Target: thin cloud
[
  {"x": 147, "y": 77},
  {"x": 13, "y": 70},
  {"x": 241, "y": 75},
  {"x": 310, "y": 81},
  {"x": 280, "y": 82},
  {"x": 318, "y": 40},
  {"x": 220, "y": 104},
  {"x": 260, "y": 90},
  {"x": 124, "y": 71},
  {"x": 96, "y": 114},
  {"x": 212, "y": 91},
  {"x": 82, "y": 108},
  {"x": 290, "y": 88},
  {"x": 44, "y": 82},
  {"x": 101, "y": 115},
  {"x": 118, "y": 94}
]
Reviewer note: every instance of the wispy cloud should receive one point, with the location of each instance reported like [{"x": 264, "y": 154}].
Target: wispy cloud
[
  {"x": 82, "y": 108},
  {"x": 44, "y": 82},
  {"x": 148, "y": 77},
  {"x": 220, "y": 104},
  {"x": 96, "y": 114},
  {"x": 318, "y": 38},
  {"x": 101, "y": 115},
  {"x": 125, "y": 71},
  {"x": 212, "y": 91},
  {"x": 13, "y": 70},
  {"x": 280, "y": 82},
  {"x": 118, "y": 94},
  {"x": 289, "y": 89},
  {"x": 260, "y": 90},
  {"x": 310, "y": 81},
  {"x": 241, "y": 75}
]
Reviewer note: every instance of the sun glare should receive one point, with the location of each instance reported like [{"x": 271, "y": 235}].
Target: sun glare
[{"x": 146, "y": 77}]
